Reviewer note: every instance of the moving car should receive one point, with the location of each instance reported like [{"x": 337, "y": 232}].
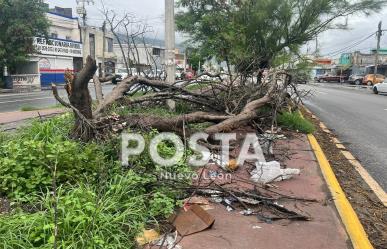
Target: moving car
[
  {"x": 380, "y": 87},
  {"x": 370, "y": 80},
  {"x": 356, "y": 79}
]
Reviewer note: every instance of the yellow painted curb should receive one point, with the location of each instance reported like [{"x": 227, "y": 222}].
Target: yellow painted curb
[{"x": 348, "y": 216}]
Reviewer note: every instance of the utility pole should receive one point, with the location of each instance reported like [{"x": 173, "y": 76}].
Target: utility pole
[
  {"x": 81, "y": 11},
  {"x": 378, "y": 35},
  {"x": 104, "y": 49},
  {"x": 170, "y": 40}
]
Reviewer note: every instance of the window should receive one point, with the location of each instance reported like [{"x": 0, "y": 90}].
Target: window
[
  {"x": 54, "y": 35},
  {"x": 109, "y": 45},
  {"x": 92, "y": 45},
  {"x": 156, "y": 51}
]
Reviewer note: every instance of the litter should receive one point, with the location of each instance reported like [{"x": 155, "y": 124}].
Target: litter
[
  {"x": 194, "y": 220},
  {"x": 271, "y": 171},
  {"x": 226, "y": 164},
  {"x": 169, "y": 240},
  {"x": 147, "y": 236},
  {"x": 216, "y": 198},
  {"x": 229, "y": 209},
  {"x": 246, "y": 212},
  {"x": 197, "y": 200},
  {"x": 257, "y": 227}
]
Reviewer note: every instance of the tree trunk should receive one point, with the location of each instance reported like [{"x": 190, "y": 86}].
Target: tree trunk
[{"x": 80, "y": 98}]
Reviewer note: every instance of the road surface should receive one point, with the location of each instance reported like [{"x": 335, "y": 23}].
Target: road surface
[
  {"x": 15, "y": 102},
  {"x": 359, "y": 118}
]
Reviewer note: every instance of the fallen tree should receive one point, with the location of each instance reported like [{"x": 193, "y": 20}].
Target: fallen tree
[{"x": 225, "y": 102}]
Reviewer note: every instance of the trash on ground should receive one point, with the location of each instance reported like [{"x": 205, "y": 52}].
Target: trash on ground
[
  {"x": 147, "y": 236},
  {"x": 198, "y": 200},
  {"x": 194, "y": 220},
  {"x": 169, "y": 240},
  {"x": 272, "y": 171},
  {"x": 246, "y": 212}
]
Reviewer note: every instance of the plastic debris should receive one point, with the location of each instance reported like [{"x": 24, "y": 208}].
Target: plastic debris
[
  {"x": 226, "y": 164},
  {"x": 246, "y": 212},
  {"x": 271, "y": 171},
  {"x": 257, "y": 227},
  {"x": 216, "y": 198},
  {"x": 229, "y": 209},
  {"x": 169, "y": 240},
  {"x": 147, "y": 236}
]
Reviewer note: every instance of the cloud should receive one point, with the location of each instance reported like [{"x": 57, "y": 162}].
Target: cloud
[{"x": 149, "y": 11}]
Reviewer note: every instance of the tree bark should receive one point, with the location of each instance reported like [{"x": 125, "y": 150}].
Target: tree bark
[{"x": 81, "y": 100}]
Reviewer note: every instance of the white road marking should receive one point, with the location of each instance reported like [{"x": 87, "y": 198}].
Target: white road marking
[
  {"x": 322, "y": 92},
  {"x": 385, "y": 109},
  {"x": 22, "y": 100}
]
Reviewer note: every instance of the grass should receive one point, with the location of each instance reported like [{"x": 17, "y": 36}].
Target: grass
[
  {"x": 105, "y": 209},
  {"x": 294, "y": 121},
  {"x": 28, "y": 108}
]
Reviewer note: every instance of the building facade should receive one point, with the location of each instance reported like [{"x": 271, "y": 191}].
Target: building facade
[
  {"x": 141, "y": 57},
  {"x": 99, "y": 45},
  {"x": 61, "y": 51},
  {"x": 66, "y": 48},
  {"x": 360, "y": 63}
]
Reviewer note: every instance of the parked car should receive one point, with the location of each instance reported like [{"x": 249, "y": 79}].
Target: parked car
[
  {"x": 331, "y": 78},
  {"x": 370, "y": 80},
  {"x": 380, "y": 87},
  {"x": 122, "y": 73},
  {"x": 356, "y": 79}
]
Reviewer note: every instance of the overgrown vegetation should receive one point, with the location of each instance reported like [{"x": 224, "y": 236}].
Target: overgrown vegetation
[
  {"x": 98, "y": 204},
  {"x": 294, "y": 121}
]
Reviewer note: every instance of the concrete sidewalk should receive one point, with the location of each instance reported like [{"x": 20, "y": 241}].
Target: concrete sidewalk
[
  {"x": 232, "y": 230},
  {"x": 13, "y": 117}
]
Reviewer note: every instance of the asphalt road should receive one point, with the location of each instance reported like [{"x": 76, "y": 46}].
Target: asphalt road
[
  {"x": 16, "y": 101},
  {"x": 359, "y": 118}
]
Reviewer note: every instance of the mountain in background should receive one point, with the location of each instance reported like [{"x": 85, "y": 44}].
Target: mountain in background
[{"x": 151, "y": 41}]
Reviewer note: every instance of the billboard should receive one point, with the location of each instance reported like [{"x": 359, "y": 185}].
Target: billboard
[{"x": 58, "y": 47}]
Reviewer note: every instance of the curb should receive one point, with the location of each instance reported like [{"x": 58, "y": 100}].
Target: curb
[{"x": 347, "y": 214}]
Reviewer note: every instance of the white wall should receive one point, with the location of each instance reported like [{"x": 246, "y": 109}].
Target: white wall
[{"x": 64, "y": 27}]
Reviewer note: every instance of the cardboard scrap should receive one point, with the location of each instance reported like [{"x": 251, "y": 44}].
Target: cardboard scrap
[{"x": 193, "y": 220}]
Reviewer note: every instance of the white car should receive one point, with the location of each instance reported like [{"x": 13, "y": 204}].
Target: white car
[{"x": 380, "y": 87}]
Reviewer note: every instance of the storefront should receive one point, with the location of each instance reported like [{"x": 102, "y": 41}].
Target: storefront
[{"x": 55, "y": 57}]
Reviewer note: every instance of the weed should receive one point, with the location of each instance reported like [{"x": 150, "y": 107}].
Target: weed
[
  {"x": 28, "y": 108},
  {"x": 294, "y": 121}
]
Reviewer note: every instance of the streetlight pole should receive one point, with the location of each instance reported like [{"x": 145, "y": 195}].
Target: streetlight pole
[{"x": 170, "y": 41}]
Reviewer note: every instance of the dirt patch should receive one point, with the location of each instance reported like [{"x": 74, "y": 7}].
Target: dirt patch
[
  {"x": 371, "y": 212},
  {"x": 5, "y": 206}
]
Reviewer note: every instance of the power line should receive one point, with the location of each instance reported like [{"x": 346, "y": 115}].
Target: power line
[{"x": 349, "y": 47}]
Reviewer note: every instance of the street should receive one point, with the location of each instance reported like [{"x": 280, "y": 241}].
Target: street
[
  {"x": 359, "y": 119},
  {"x": 14, "y": 101}
]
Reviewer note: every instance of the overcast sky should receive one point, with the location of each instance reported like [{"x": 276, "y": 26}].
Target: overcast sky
[{"x": 331, "y": 43}]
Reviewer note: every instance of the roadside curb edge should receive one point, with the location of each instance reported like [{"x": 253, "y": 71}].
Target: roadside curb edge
[{"x": 347, "y": 214}]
